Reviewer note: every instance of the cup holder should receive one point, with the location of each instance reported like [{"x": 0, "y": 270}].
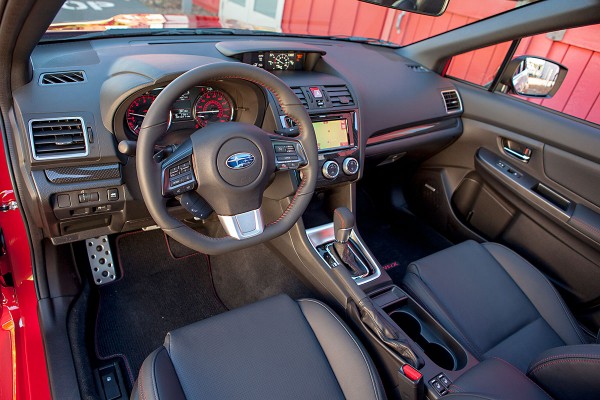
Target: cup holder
[{"x": 438, "y": 353}]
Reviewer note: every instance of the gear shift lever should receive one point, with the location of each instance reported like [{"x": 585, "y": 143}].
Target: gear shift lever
[{"x": 343, "y": 223}]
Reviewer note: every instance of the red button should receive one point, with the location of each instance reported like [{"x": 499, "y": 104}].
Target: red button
[
  {"x": 316, "y": 92},
  {"x": 411, "y": 373}
]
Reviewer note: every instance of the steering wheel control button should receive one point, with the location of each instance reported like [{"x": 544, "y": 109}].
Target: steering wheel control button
[
  {"x": 331, "y": 170},
  {"x": 350, "y": 166},
  {"x": 178, "y": 178},
  {"x": 112, "y": 194},
  {"x": 288, "y": 156}
]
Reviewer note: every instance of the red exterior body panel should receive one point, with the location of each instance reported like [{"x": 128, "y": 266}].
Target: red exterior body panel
[{"x": 23, "y": 373}]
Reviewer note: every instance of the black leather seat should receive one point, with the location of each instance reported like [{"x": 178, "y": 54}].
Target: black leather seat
[
  {"x": 273, "y": 349},
  {"x": 500, "y": 306}
]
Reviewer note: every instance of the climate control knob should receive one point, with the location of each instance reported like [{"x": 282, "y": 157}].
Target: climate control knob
[
  {"x": 350, "y": 166},
  {"x": 331, "y": 169}
]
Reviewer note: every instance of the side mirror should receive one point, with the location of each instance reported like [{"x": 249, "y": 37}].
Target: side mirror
[
  {"x": 534, "y": 76},
  {"x": 428, "y": 7}
]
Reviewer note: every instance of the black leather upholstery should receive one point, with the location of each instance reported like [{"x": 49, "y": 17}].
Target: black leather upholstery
[
  {"x": 493, "y": 301},
  {"x": 577, "y": 365},
  {"x": 496, "y": 379},
  {"x": 273, "y": 349}
]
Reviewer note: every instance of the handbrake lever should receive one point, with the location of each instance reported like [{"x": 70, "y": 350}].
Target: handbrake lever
[{"x": 369, "y": 313}]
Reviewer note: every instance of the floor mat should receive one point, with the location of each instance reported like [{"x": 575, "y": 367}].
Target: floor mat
[
  {"x": 397, "y": 238},
  {"x": 156, "y": 294},
  {"x": 246, "y": 276}
]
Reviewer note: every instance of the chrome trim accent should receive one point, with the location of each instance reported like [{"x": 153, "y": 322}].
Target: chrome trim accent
[
  {"x": 59, "y": 157},
  {"x": 232, "y": 224},
  {"x": 324, "y": 234},
  {"x": 398, "y": 134},
  {"x": 345, "y": 167},
  {"x": 457, "y": 96},
  {"x": 516, "y": 154},
  {"x": 10, "y": 206}
]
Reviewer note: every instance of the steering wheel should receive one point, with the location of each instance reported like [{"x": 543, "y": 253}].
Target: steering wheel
[{"x": 228, "y": 164}]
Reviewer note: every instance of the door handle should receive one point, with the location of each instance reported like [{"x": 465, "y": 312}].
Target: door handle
[{"x": 516, "y": 150}]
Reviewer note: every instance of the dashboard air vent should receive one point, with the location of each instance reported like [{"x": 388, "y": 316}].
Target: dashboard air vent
[
  {"x": 56, "y": 78},
  {"x": 58, "y": 138},
  {"x": 340, "y": 96},
  {"x": 417, "y": 68},
  {"x": 300, "y": 94},
  {"x": 452, "y": 101}
]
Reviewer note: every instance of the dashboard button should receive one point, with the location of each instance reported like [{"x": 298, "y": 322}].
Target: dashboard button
[
  {"x": 280, "y": 148},
  {"x": 64, "y": 201},
  {"x": 113, "y": 194}
]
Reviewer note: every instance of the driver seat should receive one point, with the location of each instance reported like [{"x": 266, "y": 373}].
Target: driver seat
[{"x": 274, "y": 349}]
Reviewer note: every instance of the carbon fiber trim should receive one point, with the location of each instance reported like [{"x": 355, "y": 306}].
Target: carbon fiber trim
[{"x": 83, "y": 174}]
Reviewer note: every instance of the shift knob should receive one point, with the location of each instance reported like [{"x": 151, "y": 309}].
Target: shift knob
[{"x": 343, "y": 222}]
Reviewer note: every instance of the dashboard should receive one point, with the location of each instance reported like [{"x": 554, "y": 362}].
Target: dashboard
[{"x": 367, "y": 104}]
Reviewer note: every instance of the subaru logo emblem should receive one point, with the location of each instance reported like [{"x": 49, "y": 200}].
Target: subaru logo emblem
[{"x": 240, "y": 160}]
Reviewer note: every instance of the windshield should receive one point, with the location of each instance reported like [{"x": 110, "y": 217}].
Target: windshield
[{"x": 306, "y": 17}]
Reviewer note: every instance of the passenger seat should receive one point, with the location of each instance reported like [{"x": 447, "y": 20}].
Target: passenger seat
[{"x": 497, "y": 305}]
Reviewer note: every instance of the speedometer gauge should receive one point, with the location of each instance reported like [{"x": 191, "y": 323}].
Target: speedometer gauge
[
  {"x": 213, "y": 106},
  {"x": 137, "y": 110}
]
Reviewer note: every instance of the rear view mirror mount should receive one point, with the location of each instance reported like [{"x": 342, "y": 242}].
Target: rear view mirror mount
[
  {"x": 532, "y": 76},
  {"x": 427, "y": 7}
]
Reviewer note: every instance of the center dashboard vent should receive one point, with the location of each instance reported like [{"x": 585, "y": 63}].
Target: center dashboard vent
[
  {"x": 452, "y": 101},
  {"x": 301, "y": 96},
  {"x": 339, "y": 96},
  {"x": 58, "y": 138},
  {"x": 56, "y": 78}
]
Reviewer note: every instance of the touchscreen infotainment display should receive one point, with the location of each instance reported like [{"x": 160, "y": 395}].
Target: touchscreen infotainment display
[{"x": 332, "y": 134}]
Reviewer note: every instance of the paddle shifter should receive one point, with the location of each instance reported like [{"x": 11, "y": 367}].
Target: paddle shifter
[{"x": 343, "y": 223}]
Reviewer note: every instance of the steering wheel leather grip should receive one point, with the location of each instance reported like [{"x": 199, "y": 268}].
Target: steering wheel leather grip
[{"x": 217, "y": 186}]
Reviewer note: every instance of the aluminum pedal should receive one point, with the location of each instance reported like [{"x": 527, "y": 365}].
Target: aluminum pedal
[{"x": 101, "y": 260}]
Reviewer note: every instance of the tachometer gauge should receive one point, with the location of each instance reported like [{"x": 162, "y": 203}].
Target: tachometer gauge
[
  {"x": 213, "y": 106},
  {"x": 137, "y": 110},
  {"x": 281, "y": 61}
]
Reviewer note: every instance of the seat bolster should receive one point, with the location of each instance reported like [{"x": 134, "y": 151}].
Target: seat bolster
[
  {"x": 568, "y": 372},
  {"x": 351, "y": 365},
  {"x": 157, "y": 379},
  {"x": 496, "y": 379},
  {"x": 540, "y": 292}
]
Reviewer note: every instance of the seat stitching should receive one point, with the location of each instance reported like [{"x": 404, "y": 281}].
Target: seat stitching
[
  {"x": 565, "y": 356},
  {"x": 553, "y": 289},
  {"x": 520, "y": 374},
  {"x": 477, "y": 352},
  {"x": 355, "y": 342},
  {"x": 565, "y": 361}
]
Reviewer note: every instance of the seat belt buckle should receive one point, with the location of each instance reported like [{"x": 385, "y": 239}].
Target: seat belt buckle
[{"x": 410, "y": 383}]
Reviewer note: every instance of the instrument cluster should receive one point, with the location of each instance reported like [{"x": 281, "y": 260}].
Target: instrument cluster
[{"x": 194, "y": 109}]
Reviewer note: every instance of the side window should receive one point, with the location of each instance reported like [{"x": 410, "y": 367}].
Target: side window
[
  {"x": 479, "y": 66},
  {"x": 578, "y": 49}
]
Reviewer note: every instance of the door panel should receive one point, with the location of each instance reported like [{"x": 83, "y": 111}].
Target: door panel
[
  {"x": 544, "y": 206},
  {"x": 574, "y": 173}
]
